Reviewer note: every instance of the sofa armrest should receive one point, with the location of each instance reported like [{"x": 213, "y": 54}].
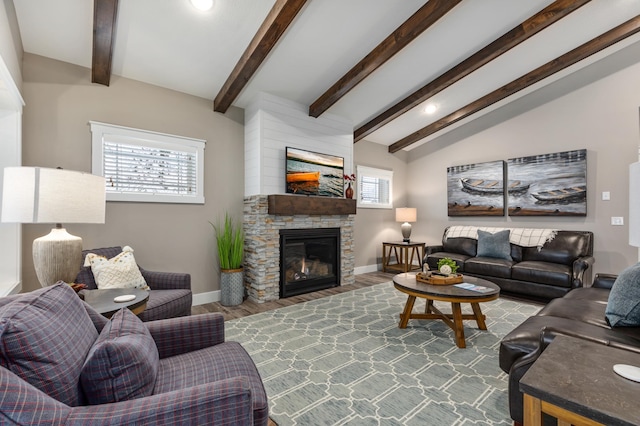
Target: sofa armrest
[
  {"x": 175, "y": 336},
  {"x": 582, "y": 268},
  {"x": 166, "y": 280},
  {"x": 604, "y": 280},
  {"x": 225, "y": 402}
]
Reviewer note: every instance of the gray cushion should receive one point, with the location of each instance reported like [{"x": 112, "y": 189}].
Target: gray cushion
[
  {"x": 123, "y": 363},
  {"x": 494, "y": 245},
  {"x": 623, "y": 306},
  {"x": 45, "y": 337}
]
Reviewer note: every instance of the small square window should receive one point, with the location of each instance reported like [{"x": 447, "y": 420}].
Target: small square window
[
  {"x": 144, "y": 166},
  {"x": 374, "y": 188}
]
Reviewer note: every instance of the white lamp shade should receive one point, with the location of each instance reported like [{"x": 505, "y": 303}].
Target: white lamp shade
[
  {"x": 406, "y": 214},
  {"x": 40, "y": 195},
  {"x": 634, "y": 204}
]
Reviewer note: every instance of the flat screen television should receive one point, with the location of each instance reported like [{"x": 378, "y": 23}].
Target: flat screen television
[{"x": 312, "y": 173}]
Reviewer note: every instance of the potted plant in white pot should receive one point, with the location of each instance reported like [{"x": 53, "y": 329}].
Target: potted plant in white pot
[{"x": 230, "y": 241}]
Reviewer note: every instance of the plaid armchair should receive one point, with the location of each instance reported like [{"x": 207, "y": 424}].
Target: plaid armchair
[
  {"x": 170, "y": 294},
  {"x": 62, "y": 363}
]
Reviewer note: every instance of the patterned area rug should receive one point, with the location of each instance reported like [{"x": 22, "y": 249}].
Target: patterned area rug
[{"x": 343, "y": 360}]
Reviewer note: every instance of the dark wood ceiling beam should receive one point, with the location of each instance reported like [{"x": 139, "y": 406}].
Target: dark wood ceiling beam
[
  {"x": 275, "y": 24},
  {"x": 541, "y": 20},
  {"x": 426, "y": 16},
  {"x": 585, "y": 50},
  {"x": 104, "y": 33}
]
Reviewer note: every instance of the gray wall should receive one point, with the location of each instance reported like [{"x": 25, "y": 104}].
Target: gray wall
[
  {"x": 60, "y": 101},
  {"x": 10, "y": 41},
  {"x": 373, "y": 226},
  {"x": 601, "y": 117}
]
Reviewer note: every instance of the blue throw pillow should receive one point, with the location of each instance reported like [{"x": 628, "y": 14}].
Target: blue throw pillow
[
  {"x": 494, "y": 245},
  {"x": 623, "y": 307}
]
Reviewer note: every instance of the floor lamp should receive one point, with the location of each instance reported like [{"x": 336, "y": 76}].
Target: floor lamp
[{"x": 40, "y": 195}]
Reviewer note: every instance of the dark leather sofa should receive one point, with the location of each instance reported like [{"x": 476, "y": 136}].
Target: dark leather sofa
[
  {"x": 562, "y": 264},
  {"x": 580, "y": 313}
]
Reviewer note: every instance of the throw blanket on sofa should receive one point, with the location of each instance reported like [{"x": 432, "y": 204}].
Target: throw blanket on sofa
[{"x": 525, "y": 237}]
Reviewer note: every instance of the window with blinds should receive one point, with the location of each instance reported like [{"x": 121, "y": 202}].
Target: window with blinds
[
  {"x": 374, "y": 187},
  {"x": 145, "y": 166}
]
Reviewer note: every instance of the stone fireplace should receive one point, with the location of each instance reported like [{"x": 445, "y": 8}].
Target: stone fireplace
[{"x": 264, "y": 219}]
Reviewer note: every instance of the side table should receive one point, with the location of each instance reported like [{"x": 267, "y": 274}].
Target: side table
[
  {"x": 404, "y": 253},
  {"x": 573, "y": 380},
  {"x": 102, "y": 300}
]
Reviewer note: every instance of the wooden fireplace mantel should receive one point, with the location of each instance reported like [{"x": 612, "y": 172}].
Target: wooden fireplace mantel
[{"x": 289, "y": 204}]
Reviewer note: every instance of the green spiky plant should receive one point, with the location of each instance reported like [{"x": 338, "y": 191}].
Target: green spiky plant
[{"x": 230, "y": 240}]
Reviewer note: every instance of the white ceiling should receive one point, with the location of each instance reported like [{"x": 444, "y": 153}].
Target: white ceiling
[{"x": 170, "y": 44}]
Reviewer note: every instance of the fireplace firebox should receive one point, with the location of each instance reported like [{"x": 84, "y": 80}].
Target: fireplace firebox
[{"x": 309, "y": 260}]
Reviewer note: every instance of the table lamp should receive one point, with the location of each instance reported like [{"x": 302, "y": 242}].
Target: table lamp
[
  {"x": 40, "y": 195},
  {"x": 406, "y": 215}
]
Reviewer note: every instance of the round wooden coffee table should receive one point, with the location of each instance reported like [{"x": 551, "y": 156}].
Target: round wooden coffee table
[
  {"x": 102, "y": 300},
  {"x": 407, "y": 283}
]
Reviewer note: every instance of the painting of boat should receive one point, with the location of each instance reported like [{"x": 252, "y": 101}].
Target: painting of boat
[
  {"x": 477, "y": 189},
  {"x": 303, "y": 177},
  {"x": 573, "y": 194},
  {"x": 493, "y": 186},
  {"x": 558, "y": 184}
]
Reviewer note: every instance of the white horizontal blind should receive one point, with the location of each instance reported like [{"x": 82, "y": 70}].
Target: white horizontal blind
[
  {"x": 143, "y": 169},
  {"x": 140, "y": 165},
  {"x": 374, "y": 187}
]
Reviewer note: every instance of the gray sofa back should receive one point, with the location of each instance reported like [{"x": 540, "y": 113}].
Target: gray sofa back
[
  {"x": 466, "y": 246},
  {"x": 564, "y": 249}
]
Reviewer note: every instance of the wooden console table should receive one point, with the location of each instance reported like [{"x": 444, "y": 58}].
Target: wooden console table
[
  {"x": 573, "y": 380},
  {"x": 404, "y": 253}
]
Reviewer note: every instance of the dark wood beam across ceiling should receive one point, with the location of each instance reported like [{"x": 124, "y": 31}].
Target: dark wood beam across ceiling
[
  {"x": 585, "y": 50},
  {"x": 424, "y": 18},
  {"x": 275, "y": 24},
  {"x": 104, "y": 32},
  {"x": 541, "y": 20}
]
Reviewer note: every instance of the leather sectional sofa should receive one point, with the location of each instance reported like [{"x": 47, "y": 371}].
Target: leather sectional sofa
[
  {"x": 580, "y": 313},
  {"x": 560, "y": 265}
]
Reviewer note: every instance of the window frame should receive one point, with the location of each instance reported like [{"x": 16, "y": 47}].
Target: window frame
[
  {"x": 372, "y": 172},
  {"x": 147, "y": 138}
]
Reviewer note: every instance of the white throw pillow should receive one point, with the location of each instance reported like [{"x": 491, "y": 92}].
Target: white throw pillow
[{"x": 120, "y": 271}]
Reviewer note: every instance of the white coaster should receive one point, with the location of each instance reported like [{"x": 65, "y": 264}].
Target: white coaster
[
  {"x": 628, "y": 371},
  {"x": 124, "y": 298}
]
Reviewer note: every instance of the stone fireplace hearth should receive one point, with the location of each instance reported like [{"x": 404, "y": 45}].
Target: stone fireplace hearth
[{"x": 262, "y": 242}]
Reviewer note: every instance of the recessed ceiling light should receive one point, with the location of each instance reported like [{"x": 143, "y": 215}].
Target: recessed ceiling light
[
  {"x": 431, "y": 108},
  {"x": 203, "y": 5}
]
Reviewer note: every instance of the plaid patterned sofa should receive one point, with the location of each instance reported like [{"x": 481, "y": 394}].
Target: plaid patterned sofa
[
  {"x": 170, "y": 294},
  {"x": 62, "y": 363}
]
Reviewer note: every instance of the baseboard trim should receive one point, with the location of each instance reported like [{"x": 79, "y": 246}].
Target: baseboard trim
[
  {"x": 368, "y": 268},
  {"x": 204, "y": 298}
]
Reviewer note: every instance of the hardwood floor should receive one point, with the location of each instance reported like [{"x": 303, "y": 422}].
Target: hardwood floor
[{"x": 249, "y": 307}]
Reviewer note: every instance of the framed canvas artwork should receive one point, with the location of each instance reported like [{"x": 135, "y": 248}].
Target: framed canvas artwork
[
  {"x": 476, "y": 189},
  {"x": 556, "y": 184}
]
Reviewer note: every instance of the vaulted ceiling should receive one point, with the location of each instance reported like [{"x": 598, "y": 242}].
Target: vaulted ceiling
[{"x": 378, "y": 63}]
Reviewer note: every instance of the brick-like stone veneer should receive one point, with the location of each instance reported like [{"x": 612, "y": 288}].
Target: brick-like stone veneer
[{"x": 262, "y": 245}]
